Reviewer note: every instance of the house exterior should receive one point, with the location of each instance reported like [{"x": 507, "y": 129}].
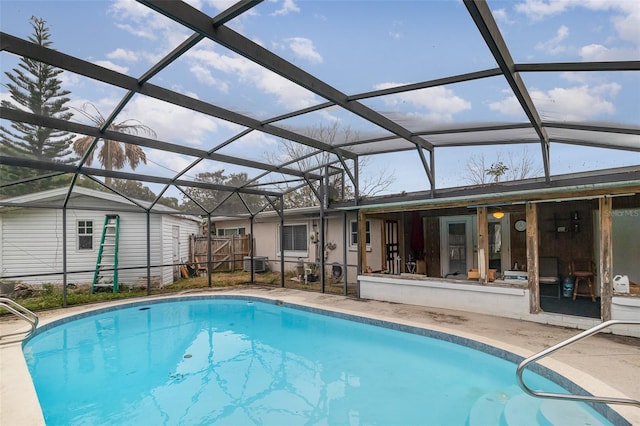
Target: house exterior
[
  {"x": 302, "y": 243},
  {"x": 32, "y": 250},
  {"x": 494, "y": 250},
  {"x": 508, "y": 251}
]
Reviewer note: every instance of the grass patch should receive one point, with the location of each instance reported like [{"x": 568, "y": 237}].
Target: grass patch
[{"x": 50, "y": 296}]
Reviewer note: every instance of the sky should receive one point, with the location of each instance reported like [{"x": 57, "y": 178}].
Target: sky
[{"x": 355, "y": 46}]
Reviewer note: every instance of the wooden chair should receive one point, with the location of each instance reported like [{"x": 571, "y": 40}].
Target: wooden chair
[
  {"x": 549, "y": 275},
  {"x": 583, "y": 271},
  {"x": 201, "y": 266}
]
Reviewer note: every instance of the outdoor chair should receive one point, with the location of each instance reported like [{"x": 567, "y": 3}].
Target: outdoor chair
[
  {"x": 549, "y": 274},
  {"x": 583, "y": 271}
]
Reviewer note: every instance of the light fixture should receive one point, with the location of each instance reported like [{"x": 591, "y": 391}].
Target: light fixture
[{"x": 498, "y": 214}]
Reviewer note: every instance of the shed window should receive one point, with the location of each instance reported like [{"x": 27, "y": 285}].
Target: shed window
[{"x": 85, "y": 235}]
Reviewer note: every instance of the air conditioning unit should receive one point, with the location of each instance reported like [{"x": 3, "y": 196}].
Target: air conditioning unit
[{"x": 259, "y": 263}]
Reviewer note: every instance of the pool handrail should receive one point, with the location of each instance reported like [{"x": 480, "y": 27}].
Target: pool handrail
[
  {"x": 564, "y": 343},
  {"x": 21, "y": 312}
]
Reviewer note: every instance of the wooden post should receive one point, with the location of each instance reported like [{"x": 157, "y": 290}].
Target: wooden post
[
  {"x": 532, "y": 257},
  {"x": 483, "y": 245},
  {"x": 362, "y": 241},
  {"x": 606, "y": 258}
]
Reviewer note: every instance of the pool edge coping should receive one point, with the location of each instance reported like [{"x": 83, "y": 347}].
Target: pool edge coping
[{"x": 576, "y": 381}]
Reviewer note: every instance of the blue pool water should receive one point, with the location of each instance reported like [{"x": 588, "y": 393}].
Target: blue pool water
[{"x": 237, "y": 361}]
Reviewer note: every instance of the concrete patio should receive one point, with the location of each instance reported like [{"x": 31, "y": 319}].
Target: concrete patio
[{"x": 604, "y": 364}]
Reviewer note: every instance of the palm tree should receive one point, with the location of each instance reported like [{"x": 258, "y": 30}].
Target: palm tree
[{"x": 112, "y": 154}]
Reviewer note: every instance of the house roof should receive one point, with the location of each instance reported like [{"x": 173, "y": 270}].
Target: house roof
[
  {"x": 385, "y": 121},
  {"x": 59, "y": 197}
]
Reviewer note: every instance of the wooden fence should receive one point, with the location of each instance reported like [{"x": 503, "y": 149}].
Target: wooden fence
[{"x": 227, "y": 253}]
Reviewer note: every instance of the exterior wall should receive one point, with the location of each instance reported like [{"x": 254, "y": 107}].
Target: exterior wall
[
  {"x": 498, "y": 301},
  {"x": 186, "y": 229},
  {"x": 502, "y": 301},
  {"x": 266, "y": 241},
  {"x": 625, "y": 308},
  {"x": 32, "y": 244}
]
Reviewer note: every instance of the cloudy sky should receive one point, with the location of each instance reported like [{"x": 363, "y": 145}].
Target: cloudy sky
[{"x": 357, "y": 47}]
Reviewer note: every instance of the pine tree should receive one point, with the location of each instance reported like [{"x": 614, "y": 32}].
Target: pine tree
[{"x": 35, "y": 87}]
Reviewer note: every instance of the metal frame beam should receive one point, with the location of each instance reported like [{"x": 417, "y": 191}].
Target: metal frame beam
[
  {"x": 201, "y": 23},
  {"x": 481, "y": 15},
  {"x": 21, "y": 47}
]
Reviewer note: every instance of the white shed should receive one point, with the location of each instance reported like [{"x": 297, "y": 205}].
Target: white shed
[{"x": 31, "y": 247}]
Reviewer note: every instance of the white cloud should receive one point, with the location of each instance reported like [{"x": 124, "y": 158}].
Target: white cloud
[
  {"x": 288, "y": 6},
  {"x": 576, "y": 103},
  {"x": 395, "y": 31},
  {"x": 626, "y": 21},
  {"x": 256, "y": 139},
  {"x": 598, "y": 52},
  {"x": 112, "y": 66},
  {"x": 170, "y": 122},
  {"x": 501, "y": 15},
  {"x": 507, "y": 106},
  {"x": 554, "y": 46},
  {"x": 538, "y": 9},
  {"x": 439, "y": 102},
  {"x": 123, "y": 55},
  {"x": 620, "y": 43},
  {"x": 628, "y": 26},
  {"x": 288, "y": 94},
  {"x": 203, "y": 75},
  {"x": 167, "y": 160},
  {"x": 303, "y": 48},
  {"x": 143, "y": 22}
]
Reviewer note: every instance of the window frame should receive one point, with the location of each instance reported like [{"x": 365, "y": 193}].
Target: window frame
[
  {"x": 294, "y": 253},
  {"x": 81, "y": 234},
  {"x": 353, "y": 245},
  {"x": 237, "y": 229}
]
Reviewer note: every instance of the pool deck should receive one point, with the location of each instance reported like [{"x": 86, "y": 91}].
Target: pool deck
[{"x": 604, "y": 365}]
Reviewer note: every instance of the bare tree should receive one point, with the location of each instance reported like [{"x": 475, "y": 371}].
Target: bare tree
[
  {"x": 307, "y": 158},
  {"x": 507, "y": 166}
]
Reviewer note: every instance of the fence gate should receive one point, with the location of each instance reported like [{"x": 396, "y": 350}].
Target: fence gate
[{"x": 227, "y": 252}]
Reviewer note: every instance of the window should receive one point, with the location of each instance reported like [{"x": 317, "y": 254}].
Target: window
[
  {"x": 85, "y": 235},
  {"x": 223, "y": 232},
  {"x": 294, "y": 239},
  {"x": 353, "y": 240}
]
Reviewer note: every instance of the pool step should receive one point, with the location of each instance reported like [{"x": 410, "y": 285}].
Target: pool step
[
  {"x": 489, "y": 408},
  {"x": 565, "y": 413},
  {"x": 511, "y": 407}
]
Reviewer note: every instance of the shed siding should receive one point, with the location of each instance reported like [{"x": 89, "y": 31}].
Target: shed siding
[
  {"x": 32, "y": 241},
  {"x": 186, "y": 228}
]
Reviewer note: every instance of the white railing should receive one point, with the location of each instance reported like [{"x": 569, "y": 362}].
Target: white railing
[
  {"x": 552, "y": 349},
  {"x": 21, "y": 312}
]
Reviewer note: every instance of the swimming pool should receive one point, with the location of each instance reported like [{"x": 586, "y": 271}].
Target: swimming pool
[{"x": 204, "y": 360}]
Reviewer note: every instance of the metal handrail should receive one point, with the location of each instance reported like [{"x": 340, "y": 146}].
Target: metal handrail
[
  {"x": 552, "y": 349},
  {"x": 21, "y": 312}
]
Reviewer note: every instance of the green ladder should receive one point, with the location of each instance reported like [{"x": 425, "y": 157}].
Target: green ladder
[{"x": 106, "y": 273}]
